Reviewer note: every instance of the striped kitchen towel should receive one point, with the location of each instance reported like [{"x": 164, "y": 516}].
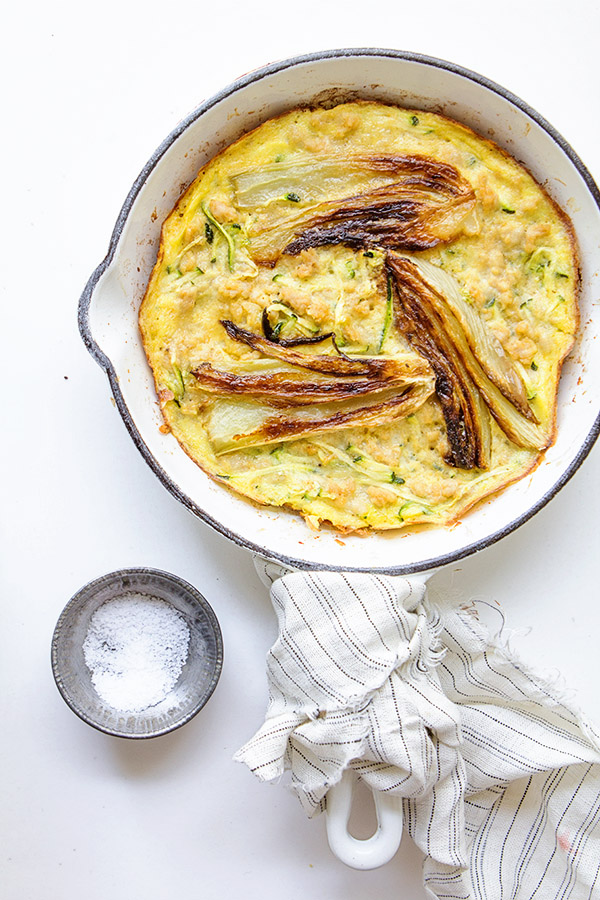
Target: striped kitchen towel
[{"x": 499, "y": 778}]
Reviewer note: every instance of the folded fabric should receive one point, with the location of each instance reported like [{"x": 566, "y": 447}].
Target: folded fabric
[{"x": 500, "y": 780}]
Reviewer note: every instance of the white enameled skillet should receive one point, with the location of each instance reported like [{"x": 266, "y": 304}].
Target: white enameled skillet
[{"x": 109, "y": 304}]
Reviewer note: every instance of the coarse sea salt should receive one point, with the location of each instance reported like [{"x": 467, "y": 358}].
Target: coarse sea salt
[{"x": 135, "y": 648}]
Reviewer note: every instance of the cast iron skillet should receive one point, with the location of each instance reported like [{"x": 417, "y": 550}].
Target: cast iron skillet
[{"x": 109, "y": 304}]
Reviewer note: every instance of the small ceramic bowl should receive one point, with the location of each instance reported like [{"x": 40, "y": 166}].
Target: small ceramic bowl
[{"x": 199, "y": 674}]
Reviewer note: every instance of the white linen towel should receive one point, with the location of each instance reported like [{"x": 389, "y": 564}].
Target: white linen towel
[{"x": 500, "y": 780}]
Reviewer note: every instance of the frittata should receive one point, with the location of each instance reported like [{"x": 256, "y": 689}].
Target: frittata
[{"x": 360, "y": 313}]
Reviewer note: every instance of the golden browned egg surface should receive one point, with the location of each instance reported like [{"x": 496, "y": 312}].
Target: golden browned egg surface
[{"x": 360, "y": 313}]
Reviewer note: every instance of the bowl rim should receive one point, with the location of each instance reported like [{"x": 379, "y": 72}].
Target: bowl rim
[
  {"x": 90, "y": 588},
  {"x": 105, "y": 363}
]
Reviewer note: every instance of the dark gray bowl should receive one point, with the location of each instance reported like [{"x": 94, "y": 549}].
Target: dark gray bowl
[{"x": 199, "y": 675}]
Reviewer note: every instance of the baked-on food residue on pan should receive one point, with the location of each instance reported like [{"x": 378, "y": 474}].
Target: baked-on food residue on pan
[{"x": 361, "y": 314}]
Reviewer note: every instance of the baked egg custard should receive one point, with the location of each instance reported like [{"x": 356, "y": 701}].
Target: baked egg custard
[{"x": 360, "y": 313}]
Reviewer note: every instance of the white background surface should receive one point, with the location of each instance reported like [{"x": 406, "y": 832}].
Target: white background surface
[{"x": 89, "y": 93}]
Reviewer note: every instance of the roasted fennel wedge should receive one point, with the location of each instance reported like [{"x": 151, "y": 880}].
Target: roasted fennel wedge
[
  {"x": 404, "y": 202},
  {"x": 469, "y": 363},
  {"x": 234, "y": 424}
]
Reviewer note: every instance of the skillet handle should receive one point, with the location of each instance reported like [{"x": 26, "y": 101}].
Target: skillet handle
[{"x": 382, "y": 845}]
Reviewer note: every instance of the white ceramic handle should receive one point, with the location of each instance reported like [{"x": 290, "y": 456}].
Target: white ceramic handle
[{"x": 382, "y": 845}]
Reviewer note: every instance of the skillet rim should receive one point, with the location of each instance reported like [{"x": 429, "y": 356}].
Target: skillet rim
[{"x": 105, "y": 363}]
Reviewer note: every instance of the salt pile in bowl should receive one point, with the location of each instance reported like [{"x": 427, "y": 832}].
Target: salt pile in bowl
[{"x": 135, "y": 648}]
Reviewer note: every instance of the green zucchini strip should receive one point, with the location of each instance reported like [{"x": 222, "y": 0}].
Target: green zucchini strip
[{"x": 224, "y": 233}]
